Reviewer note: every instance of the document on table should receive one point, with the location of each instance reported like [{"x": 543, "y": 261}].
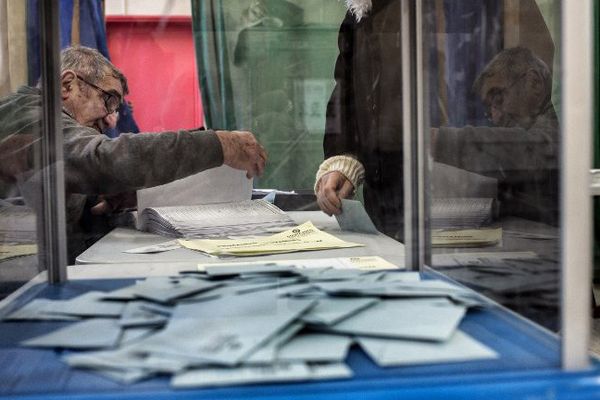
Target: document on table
[
  {"x": 301, "y": 238},
  {"x": 216, "y": 185},
  {"x": 421, "y": 319},
  {"x": 243, "y": 375},
  {"x": 225, "y": 330},
  {"x": 354, "y": 217},
  {"x": 248, "y": 217},
  {"x": 155, "y": 248},
  {"x": 360, "y": 262},
  {"x": 91, "y": 333},
  {"x": 466, "y": 237},
  {"x": 460, "y": 347}
]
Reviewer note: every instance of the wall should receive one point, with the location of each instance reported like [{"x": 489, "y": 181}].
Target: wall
[{"x": 152, "y": 43}]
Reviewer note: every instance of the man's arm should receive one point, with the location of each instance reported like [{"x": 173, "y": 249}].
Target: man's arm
[
  {"x": 95, "y": 164},
  {"x": 341, "y": 173}
]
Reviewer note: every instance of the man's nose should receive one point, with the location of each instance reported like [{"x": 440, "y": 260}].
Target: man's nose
[{"x": 111, "y": 119}]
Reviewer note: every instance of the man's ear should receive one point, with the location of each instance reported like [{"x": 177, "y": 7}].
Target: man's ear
[{"x": 68, "y": 82}]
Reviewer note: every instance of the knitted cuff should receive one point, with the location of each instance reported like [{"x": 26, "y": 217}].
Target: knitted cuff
[{"x": 348, "y": 166}]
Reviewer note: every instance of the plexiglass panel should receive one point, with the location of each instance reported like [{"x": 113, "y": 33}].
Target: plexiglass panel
[
  {"x": 495, "y": 132},
  {"x": 19, "y": 156},
  {"x": 320, "y": 85}
]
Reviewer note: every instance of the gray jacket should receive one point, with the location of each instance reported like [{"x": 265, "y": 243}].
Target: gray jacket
[
  {"x": 94, "y": 164},
  {"x": 525, "y": 162}
]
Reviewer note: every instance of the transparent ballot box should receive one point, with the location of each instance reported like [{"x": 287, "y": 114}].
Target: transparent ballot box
[{"x": 292, "y": 198}]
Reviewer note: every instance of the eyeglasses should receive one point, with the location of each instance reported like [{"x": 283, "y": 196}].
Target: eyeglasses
[
  {"x": 111, "y": 100},
  {"x": 495, "y": 98}
]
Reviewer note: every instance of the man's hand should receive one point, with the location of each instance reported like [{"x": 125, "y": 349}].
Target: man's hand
[
  {"x": 242, "y": 151},
  {"x": 110, "y": 204},
  {"x": 331, "y": 189},
  {"x": 14, "y": 156}
]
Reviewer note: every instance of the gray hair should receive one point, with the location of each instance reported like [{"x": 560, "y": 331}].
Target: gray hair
[
  {"x": 513, "y": 63},
  {"x": 91, "y": 65}
]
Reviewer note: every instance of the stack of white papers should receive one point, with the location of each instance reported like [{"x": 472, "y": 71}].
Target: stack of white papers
[
  {"x": 247, "y": 217},
  {"x": 254, "y": 324},
  {"x": 457, "y": 213}
]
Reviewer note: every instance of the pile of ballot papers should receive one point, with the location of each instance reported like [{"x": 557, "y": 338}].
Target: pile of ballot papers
[
  {"x": 248, "y": 217},
  {"x": 249, "y": 323}
]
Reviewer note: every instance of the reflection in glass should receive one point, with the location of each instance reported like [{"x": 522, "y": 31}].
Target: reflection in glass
[
  {"x": 495, "y": 176},
  {"x": 18, "y": 237}
]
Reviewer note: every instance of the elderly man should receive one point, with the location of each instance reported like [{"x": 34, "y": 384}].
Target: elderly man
[
  {"x": 91, "y": 89},
  {"x": 521, "y": 150}
]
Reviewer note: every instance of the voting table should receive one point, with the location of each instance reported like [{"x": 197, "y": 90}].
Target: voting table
[
  {"x": 528, "y": 365},
  {"x": 110, "y": 249}
]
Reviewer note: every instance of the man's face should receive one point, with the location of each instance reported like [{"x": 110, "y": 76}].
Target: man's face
[
  {"x": 506, "y": 101},
  {"x": 87, "y": 104}
]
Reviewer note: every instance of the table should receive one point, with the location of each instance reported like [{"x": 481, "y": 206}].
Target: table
[{"x": 109, "y": 249}]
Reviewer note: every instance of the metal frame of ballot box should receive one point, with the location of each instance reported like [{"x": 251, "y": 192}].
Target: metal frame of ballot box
[{"x": 533, "y": 362}]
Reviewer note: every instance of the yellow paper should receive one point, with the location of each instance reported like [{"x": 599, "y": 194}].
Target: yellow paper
[
  {"x": 17, "y": 250},
  {"x": 301, "y": 238},
  {"x": 364, "y": 263},
  {"x": 466, "y": 237}
]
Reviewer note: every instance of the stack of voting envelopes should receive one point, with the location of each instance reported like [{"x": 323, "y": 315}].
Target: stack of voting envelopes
[
  {"x": 229, "y": 325},
  {"x": 248, "y": 217}
]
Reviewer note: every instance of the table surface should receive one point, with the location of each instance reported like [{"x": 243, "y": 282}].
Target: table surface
[{"x": 110, "y": 248}]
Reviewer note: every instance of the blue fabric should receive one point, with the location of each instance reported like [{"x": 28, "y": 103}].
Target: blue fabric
[
  {"x": 473, "y": 33},
  {"x": 33, "y": 35},
  {"x": 91, "y": 33}
]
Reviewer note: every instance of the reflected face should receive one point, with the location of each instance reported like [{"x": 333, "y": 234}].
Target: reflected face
[
  {"x": 89, "y": 106},
  {"x": 506, "y": 101}
]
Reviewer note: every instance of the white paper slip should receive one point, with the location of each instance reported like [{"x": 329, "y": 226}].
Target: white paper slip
[
  {"x": 285, "y": 372},
  {"x": 88, "y": 334},
  {"x": 155, "y": 248},
  {"x": 331, "y": 310},
  {"x": 267, "y": 353},
  {"x": 315, "y": 347},
  {"x": 225, "y": 330},
  {"x": 359, "y": 262},
  {"x": 459, "y": 348},
  {"x": 39, "y": 309},
  {"x": 421, "y": 319},
  {"x": 142, "y": 313},
  {"x": 354, "y": 218},
  {"x": 90, "y": 304},
  {"x": 165, "y": 290}
]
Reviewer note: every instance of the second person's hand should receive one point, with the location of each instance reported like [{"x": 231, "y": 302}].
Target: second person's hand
[{"x": 331, "y": 188}]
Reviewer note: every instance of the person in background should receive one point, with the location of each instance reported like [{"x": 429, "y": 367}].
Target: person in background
[
  {"x": 363, "y": 132},
  {"x": 521, "y": 148},
  {"x": 91, "y": 89}
]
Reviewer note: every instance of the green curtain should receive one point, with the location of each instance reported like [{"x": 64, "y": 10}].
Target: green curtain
[
  {"x": 267, "y": 66},
  {"x": 213, "y": 63}
]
